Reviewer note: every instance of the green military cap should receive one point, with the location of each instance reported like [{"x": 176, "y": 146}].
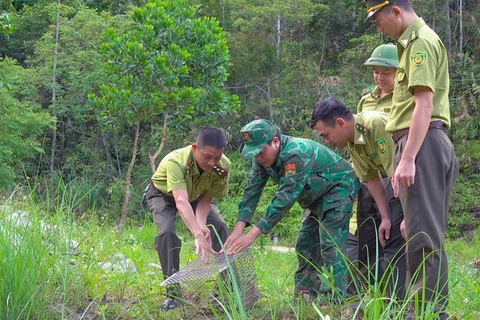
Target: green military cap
[
  {"x": 256, "y": 135},
  {"x": 374, "y": 5},
  {"x": 384, "y": 55}
]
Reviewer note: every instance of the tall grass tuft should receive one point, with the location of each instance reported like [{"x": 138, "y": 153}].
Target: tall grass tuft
[
  {"x": 231, "y": 298},
  {"x": 26, "y": 265}
]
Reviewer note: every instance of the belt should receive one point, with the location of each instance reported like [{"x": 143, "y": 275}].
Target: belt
[{"x": 433, "y": 125}]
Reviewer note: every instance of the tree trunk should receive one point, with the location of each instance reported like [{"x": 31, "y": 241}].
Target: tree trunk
[
  {"x": 279, "y": 31},
  {"x": 460, "y": 8},
  {"x": 449, "y": 29},
  {"x": 162, "y": 144},
  {"x": 128, "y": 179},
  {"x": 54, "y": 92},
  {"x": 107, "y": 151}
]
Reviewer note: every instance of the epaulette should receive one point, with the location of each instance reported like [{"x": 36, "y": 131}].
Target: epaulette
[
  {"x": 367, "y": 90},
  {"x": 189, "y": 165},
  {"x": 363, "y": 129},
  {"x": 222, "y": 172}
]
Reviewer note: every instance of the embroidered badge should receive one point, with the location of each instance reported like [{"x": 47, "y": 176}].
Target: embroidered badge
[
  {"x": 290, "y": 169},
  {"x": 418, "y": 59},
  {"x": 372, "y": 155},
  {"x": 381, "y": 145}
]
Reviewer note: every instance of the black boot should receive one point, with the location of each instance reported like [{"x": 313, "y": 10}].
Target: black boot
[{"x": 173, "y": 295}]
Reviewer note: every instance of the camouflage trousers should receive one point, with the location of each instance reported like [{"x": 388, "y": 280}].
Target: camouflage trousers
[{"x": 321, "y": 243}]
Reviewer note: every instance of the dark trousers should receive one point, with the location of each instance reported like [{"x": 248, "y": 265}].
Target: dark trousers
[
  {"x": 384, "y": 265},
  {"x": 167, "y": 243},
  {"x": 425, "y": 206},
  {"x": 354, "y": 285}
]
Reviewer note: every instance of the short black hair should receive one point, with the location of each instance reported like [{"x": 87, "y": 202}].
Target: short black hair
[
  {"x": 329, "y": 110},
  {"x": 211, "y": 136},
  {"x": 404, "y": 4}
]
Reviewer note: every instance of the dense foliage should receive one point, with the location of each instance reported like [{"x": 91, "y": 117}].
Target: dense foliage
[{"x": 82, "y": 80}]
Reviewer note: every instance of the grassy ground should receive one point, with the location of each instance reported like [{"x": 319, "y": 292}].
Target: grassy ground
[{"x": 61, "y": 267}]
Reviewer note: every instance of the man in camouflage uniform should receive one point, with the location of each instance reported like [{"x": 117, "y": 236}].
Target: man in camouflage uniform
[
  {"x": 186, "y": 181},
  {"x": 425, "y": 163},
  {"x": 372, "y": 153},
  {"x": 320, "y": 181}
]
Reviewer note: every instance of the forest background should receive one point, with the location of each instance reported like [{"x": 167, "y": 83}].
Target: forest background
[{"x": 93, "y": 92}]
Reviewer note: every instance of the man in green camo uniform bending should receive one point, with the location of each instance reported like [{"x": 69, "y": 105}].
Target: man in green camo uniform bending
[{"x": 320, "y": 181}]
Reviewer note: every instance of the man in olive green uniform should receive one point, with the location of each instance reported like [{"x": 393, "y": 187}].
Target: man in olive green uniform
[
  {"x": 384, "y": 63},
  {"x": 186, "y": 181},
  {"x": 425, "y": 163},
  {"x": 372, "y": 154},
  {"x": 321, "y": 182}
]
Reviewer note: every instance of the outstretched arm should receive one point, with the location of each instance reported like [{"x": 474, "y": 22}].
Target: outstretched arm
[
  {"x": 202, "y": 242},
  {"x": 404, "y": 175}
]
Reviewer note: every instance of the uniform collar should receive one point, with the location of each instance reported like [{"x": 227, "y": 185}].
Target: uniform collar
[
  {"x": 376, "y": 93},
  {"x": 411, "y": 33},
  {"x": 191, "y": 166}
]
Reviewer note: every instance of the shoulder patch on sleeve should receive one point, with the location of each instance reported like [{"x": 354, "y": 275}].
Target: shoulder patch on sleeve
[
  {"x": 418, "y": 59},
  {"x": 381, "y": 145},
  {"x": 290, "y": 169}
]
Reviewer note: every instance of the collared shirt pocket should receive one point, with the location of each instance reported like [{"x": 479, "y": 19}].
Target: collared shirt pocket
[{"x": 400, "y": 92}]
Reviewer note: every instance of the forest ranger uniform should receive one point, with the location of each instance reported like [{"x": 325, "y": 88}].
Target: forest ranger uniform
[
  {"x": 372, "y": 152},
  {"x": 179, "y": 170},
  {"x": 365, "y": 239},
  {"x": 424, "y": 62}
]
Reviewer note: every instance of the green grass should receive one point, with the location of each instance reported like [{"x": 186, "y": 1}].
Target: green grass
[{"x": 42, "y": 277}]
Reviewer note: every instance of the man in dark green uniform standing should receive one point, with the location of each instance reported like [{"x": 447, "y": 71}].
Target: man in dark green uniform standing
[
  {"x": 186, "y": 181},
  {"x": 425, "y": 163},
  {"x": 372, "y": 154},
  {"x": 320, "y": 181}
]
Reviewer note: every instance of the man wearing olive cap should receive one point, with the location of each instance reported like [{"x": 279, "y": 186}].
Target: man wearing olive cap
[
  {"x": 321, "y": 182},
  {"x": 375, "y": 241},
  {"x": 384, "y": 63},
  {"x": 425, "y": 163}
]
